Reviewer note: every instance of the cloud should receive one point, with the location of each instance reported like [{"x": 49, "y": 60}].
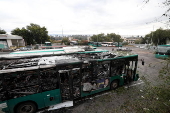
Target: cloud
[{"x": 82, "y": 16}]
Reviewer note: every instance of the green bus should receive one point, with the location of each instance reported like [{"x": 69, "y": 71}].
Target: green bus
[
  {"x": 163, "y": 51},
  {"x": 28, "y": 84},
  {"x": 48, "y": 44},
  {"x": 95, "y": 44},
  {"x": 118, "y": 44}
]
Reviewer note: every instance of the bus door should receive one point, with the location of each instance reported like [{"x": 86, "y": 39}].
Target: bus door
[
  {"x": 129, "y": 70},
  {"x": 70, "y": 83},
  {"x": 65, "y": 85},
  {"x": 75, "y": 82},
  {"x": 50, "y": 86}
]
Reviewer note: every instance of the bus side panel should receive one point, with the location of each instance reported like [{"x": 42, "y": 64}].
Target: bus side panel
[
  {"x": 87, "y": 93},
  {"x": 83, "y": 94},
  {"x": 119, "y": 78},
  {"x": 41, "y": 99},
  {"x": 161, "y": 56},
  {"x": 51, "y": 97},
  {"x": 98, "y": 86},
  {"x": 37, "y": 98}
]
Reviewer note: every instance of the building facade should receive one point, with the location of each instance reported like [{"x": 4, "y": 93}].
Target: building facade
[
  {"x": 7, "y": 41},
  {"x": 130, "y": 40}
]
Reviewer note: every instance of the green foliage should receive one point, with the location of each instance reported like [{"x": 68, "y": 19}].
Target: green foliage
[
  {"x": 83, "y": 42},
  {"x": 98, "y": 38},
  {"x": 115, "y": 37},
  {"x": 153, "y": 100},
  {"x": 106, "y": 38},
  {"x": 125, "y": 43},
  {"x": 65, "y": 41},
  {"x": 32, "y": 34},
  {"x": 165, "y": 71},
  {"x": 158, "y": 37},
  {"x": 146, "y": 39},
  {"x": 143, "y": 40},
  {"x": 137, "y": 41},
  {"x": 2, "y": 31}
]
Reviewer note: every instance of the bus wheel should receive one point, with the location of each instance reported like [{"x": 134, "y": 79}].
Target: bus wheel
[
  {"x": 27, "y": 107},
  {"x": 114, "y": 84}
]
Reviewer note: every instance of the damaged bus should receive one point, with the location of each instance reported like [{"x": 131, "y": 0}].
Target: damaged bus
[
  {"x": 28, "y": 84},
  {"x": 163, "y": 51}
]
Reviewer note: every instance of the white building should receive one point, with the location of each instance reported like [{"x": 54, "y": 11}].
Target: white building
[
  {"x": 7, "y": 41},
  {"x": 70, "y": 38},
  {"x": 130, "y": 40}
]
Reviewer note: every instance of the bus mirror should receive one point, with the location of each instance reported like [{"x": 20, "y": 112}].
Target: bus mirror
[{"x": 143, "y": 62}]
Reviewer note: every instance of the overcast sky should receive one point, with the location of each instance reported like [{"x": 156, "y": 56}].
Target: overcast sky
[{"x": 124, "y": 17}]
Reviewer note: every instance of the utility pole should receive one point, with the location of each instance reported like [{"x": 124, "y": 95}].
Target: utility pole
[{"x": 62, "y": 32}]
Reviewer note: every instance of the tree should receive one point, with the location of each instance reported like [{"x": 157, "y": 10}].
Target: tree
[
  {"x": 32, "y": 34},
  {"x": 158, "y": 37},
  {"x": 114, "y": 37},
  {"x": 137, "y": 41},
  {"x": 106, "y": 38},
  {"x": 147, "y": 38},
  {"x": 84, "y": 42},
  {"x": 2, "y": 31},
  {"x": 65, "y": 41},
  {"x": 94, "y": 38},
  {"x": 125, "y": 43},
  {"x": 98, "y": 38},
  {"x": 39, "y": 34}
]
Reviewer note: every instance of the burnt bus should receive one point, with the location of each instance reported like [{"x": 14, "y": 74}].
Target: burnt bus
[{"x": 28, "y": 84}]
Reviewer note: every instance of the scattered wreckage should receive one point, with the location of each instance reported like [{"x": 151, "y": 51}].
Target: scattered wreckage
[{"x": 29, "y": 82}]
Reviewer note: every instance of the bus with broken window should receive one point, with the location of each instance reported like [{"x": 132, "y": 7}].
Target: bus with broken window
[{"x": 30, "y": 83}]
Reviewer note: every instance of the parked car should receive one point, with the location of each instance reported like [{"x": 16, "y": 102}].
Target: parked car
[
  {"x": 6, "y": 50},
  {"x": 142, "y": 47},
  {"x": 23, "y": 49},
  {"x": 13, "y": 47},
  {"x": 124, "y": 49}
]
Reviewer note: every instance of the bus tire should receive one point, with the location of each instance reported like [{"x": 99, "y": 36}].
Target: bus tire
[
  {"x": 26, "y": 107},
  {"x": 114, "y": 85}
]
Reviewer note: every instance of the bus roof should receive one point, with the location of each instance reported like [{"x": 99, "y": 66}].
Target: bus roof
[
  {"x": 52, "y": 61},
  {"x": 40, "y": 63},
  {"x": 49, "y": 52},
  {"x": 65, "y": 56},
  {"x": 164, "y": 45}
]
